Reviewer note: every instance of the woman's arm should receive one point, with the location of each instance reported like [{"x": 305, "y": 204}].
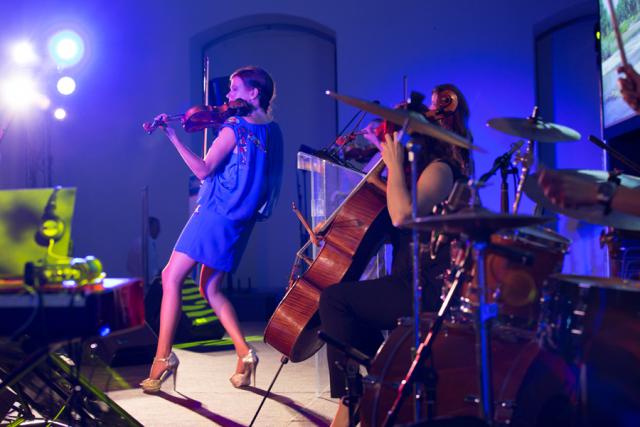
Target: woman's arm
[
  {"x": 220, "y": 149},
  {"x": 434, "y": 184}
]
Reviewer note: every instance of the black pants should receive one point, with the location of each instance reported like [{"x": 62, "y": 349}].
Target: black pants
[{"x": 356, "y": 312}]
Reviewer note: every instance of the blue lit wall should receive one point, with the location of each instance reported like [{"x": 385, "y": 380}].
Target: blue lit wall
[{"x": 138, "y": 65}]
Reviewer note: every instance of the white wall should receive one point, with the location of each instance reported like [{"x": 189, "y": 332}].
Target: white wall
[{"x": 138, "y": 65}]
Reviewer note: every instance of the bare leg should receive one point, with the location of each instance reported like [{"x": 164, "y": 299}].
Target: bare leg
[
  {"x": 341, "y": 419},
  {"x": 173, "y": 275},
  {"x": 210, "y": 281}
]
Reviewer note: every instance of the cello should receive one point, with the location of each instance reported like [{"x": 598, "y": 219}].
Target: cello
[{"x": 348, "y": 236}]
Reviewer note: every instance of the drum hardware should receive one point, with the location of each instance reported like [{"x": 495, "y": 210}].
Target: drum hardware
[
  {"x": 423, "y": 351},
  {"x": 507, "y": 404},
  {"x": 532, "y": 129},
  {"x": 478, "y": 224},
  {"x": 624, "y": 252},
  {"x": 414, "y": 122},
  {"x": 353, "y": 379},
  {"x": 503, "y": 163}
]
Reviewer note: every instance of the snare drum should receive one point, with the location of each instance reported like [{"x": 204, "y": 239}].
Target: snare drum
[{"x": 515, "y": 287}]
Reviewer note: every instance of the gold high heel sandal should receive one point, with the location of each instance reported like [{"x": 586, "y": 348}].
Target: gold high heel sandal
[
  {"x": 243, "y": 379},
  {"x": 150, "y": 385}
]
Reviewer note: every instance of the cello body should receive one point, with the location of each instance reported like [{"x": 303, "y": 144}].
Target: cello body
[{"x": 351, "y": 240}]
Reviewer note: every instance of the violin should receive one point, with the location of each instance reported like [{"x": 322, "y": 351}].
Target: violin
[
  {"x": 201, "y": 117},
  {"x": 443, "y": 106}
]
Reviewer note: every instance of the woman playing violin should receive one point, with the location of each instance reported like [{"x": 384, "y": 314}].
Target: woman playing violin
[
  {"x": 356, "y": 312},
  {"x": 241, "y": 176}
]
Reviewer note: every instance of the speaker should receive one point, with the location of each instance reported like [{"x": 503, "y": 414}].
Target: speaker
[
  {"x": 124, "y": 348},
  {"x": 48, "y": 386}
]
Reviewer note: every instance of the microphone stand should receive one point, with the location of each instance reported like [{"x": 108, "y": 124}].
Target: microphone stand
[
  {"x": 502, "y": 163},
  {"x": 615, "y": 154},
  {"x": 505, "y": 171}
]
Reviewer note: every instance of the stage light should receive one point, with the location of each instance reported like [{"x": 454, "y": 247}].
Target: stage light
[
  {"x": 23, "y": 53},
  {"x": 60, "y": 113},
  {"x": 19, "y": 92},
  {"x": 66, "y": 85},
  {"x": 67, "y": 48}
]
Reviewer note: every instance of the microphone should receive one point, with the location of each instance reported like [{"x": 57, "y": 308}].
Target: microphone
[{"x": 501, "y": 162}]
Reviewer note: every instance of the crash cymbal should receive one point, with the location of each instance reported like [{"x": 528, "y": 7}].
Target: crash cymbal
[
  {"x": 599, "y": 282},
  {"x": 417, "y": 123},
  {"x": 592, "y": 214},
  {"x": 533, "y": 129},
  {"x": 474, "y": 222}
]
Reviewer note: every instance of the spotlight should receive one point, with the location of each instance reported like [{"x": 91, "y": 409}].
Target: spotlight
[
  {"x": 19, "y": 92},
  {"x": 60, "y": 114},
  {"x": 66, "y": 85},
  {"x": 67, "y": 48},
  {"x": 23, "y": 53}
]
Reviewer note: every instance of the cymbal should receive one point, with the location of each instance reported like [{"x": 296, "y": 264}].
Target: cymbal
[
  {"x": 599, "y": 282},
  {"x": 474, "y": 223},
  {"x": 417, "y": 123},
  {"x": 592, "y": 214},
  {"x": 536, "y": 130}
]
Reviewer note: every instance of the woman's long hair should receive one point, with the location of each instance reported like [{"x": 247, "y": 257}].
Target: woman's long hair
[{"x": 458, "y": 123}]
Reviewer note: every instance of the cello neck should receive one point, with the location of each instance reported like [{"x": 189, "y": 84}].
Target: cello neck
[{"x": 362, "y": 182}]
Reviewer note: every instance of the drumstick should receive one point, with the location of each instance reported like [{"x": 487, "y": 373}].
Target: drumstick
[{"x": 616, "y": 30}]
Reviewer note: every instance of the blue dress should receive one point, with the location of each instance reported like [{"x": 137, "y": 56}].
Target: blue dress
[{"x": 241, "y": 191}]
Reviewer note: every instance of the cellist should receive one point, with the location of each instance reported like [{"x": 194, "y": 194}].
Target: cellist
[{"x": 356, "y": 312}]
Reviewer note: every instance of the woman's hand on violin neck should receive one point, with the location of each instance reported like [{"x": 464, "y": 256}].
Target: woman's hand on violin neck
[{"x": 163, "y": 123}]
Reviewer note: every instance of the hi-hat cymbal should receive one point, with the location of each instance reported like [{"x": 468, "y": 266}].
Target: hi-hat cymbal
[
  {"x": 592, "y": 214},
  {"x": 474, "y": 223},
  {"x": 599, "y": 282},
  {"x": 417, "y": 123},
  {"x": 536, "y": 130}
]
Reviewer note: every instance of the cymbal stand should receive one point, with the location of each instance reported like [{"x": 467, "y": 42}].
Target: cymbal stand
[
  {"x": 527, "y": 161},
  {"x": 413, "y": 149},
  {"x": 505, "y": 171},
  {"x": 485, "y": 313},
  {"x": 424, "y": 349},
  {"x": 351, "y": 368},
  {"x": 483, "y": 317}
]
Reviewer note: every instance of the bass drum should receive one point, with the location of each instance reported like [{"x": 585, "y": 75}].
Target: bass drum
[
  {"x": 595, "y": 323},
  {"x": 531, "y": 386}
]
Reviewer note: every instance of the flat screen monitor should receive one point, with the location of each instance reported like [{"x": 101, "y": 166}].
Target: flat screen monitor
[
  {"x": 617, "y": 116},
  {"x": 24, "y": 216}
]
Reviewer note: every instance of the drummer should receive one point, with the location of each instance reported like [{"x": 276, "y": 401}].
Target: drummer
[
  {"x": 356, "y": 312},
  {"x": 570, "y": 191}
]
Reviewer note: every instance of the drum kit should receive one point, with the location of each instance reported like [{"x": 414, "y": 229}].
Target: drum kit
[{"x": 509, "y": 319}]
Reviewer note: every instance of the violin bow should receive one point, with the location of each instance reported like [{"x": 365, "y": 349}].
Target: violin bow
[{"x": 205, "y": 88}]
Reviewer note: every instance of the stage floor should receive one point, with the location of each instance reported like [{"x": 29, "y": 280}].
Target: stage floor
[{"x": 205, "y": 397}]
